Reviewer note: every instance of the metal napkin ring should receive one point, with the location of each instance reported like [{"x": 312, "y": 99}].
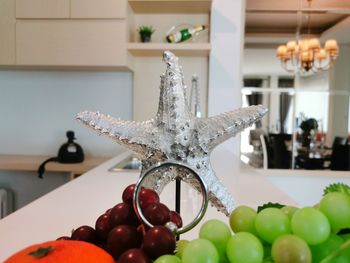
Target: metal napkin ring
[{"x": 161, "y": 165}]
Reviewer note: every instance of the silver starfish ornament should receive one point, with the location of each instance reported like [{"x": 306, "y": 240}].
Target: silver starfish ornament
[{"x": 175, "y": 134}]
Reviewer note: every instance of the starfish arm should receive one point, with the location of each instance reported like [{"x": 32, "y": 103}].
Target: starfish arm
[
  {"x": 220, "y": 198},
  {"x": 214, "y": 130},
  {"x": 136, "y": 136}
]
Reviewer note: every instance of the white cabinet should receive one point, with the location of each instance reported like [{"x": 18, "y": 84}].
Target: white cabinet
[
  {"x": 98, "y": 8},
  {"x": 7, "y": 32},
  {"x": 70, "y": 9},
  {"x": 42, "y": 8},
  {"x": 71, "y": 43},
  {"x": 74, "y": 33}
]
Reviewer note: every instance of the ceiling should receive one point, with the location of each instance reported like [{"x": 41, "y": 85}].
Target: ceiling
[{"x": 276, "y": 21}]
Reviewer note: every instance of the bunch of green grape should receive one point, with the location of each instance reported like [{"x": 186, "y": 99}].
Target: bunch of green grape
[{"x": 275, "y": 233}]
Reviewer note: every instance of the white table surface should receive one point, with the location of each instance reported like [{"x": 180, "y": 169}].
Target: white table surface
[{"x": 82, "y": 200}]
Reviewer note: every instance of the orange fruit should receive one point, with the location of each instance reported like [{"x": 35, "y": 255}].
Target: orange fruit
[{"x": 65, "y": 251}]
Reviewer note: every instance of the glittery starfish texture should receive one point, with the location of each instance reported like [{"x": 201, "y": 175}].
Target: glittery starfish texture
[{"x": 177, "y": 135}]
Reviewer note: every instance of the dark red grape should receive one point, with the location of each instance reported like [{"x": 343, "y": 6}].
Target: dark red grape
[
  {"x": 123, "y": 214},
  {"x": 64, "y": 238},
  {"x": 158, "y": 241},
  {"x": 176, "y": 218},
  {"x": 134, "y": 255},
  {"x": 157, "y": 214},
  {"x": 102, "y": 226},
  {"x": 85, "y": 233},
  {"x": 147, "y": 197},
  {"x": 108, "y": 211},
  {"x": 128, "y": 194},
  {"x": 142, "y": 229},
  {"x": 122, "y": 238}
]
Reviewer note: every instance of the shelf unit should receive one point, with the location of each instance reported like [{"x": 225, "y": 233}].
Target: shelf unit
[
  {"x": 164, "y": 14},
  {"x": 194, "y": 55},
  {"x": 181, "y": 49}
]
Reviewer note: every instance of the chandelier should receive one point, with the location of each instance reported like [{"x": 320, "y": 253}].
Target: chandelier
[{"x": 306, "y": 54}]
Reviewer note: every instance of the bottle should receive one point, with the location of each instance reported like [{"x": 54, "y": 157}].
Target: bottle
[
  {"x": 195, "y": 97},
  {"x": 183, "y": 34}
]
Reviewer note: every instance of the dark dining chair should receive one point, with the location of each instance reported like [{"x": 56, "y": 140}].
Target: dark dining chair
[
  {"x": 281, "y": 156},
  {"x": 339, "y": 141},
  {"x": 267, "y": 151},
  {"x": 340, "y": 160}
]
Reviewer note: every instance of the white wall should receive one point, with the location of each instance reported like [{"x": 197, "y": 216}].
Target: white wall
[
  {"x": 225, "y": 73},
  {"x": 38, "y": 107},
  {"x": 261, "y": 62},
  {"x": 319, "y": 81},
  {"x": 340, "y": 102}
]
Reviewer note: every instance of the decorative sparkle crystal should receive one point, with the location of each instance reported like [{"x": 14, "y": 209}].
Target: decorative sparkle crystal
[{"x": 177, "y": 135}]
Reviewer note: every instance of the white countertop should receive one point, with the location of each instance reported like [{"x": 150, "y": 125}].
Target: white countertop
[
  {"x": 304, "y": 186},
  {"x": 82, "y": 200}
]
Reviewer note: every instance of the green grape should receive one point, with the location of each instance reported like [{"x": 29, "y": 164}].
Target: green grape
[
  {"x": 242, "y": 219},
  {"x": 337, "y": 187},
  {"x": 289, "y": 210},
  {"x": 336, "y": 206},
  {"x": 268, "y": 205},
  {"x": 324, "y": 249},
  {"x": 311, "y": 225},
  {"x": 290, "y": 249},
  {"x": 180, "y": 245},
  {"x": 168, "y": 259},
  {"x": 200, "y": 251},
  {"x": 218, "y": 233},
  {"x": 271, "y": 223},
  {"x": 244, "y": 247}
]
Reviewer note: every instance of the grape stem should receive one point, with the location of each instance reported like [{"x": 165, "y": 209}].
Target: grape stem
[{"x": 337, "y": 252}]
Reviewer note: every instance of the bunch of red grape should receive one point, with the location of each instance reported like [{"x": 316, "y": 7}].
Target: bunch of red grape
[
  {"x": 276, "y": 233},
  {"x": 120, "y": 232}
]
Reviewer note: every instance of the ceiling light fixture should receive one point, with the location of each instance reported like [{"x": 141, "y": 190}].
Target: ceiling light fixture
[{"x": 306, "y": 54}]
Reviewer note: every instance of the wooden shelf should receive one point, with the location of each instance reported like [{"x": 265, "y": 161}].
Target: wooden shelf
[
  {"x": 171, "y": 6},
  {"x": 32, "y": 162},
  {"x": 181, "y": 49}
]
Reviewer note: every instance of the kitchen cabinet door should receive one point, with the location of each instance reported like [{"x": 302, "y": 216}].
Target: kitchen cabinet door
[
  {"x": 7, "y": 32},
  {"x": 71, "y": 42},
  {"x": 42, "y": 8},
  {"x": 98, "y": 8}
]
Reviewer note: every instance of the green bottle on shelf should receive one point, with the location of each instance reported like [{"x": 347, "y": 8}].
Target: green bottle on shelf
[{"x": 184, "y": 34}]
